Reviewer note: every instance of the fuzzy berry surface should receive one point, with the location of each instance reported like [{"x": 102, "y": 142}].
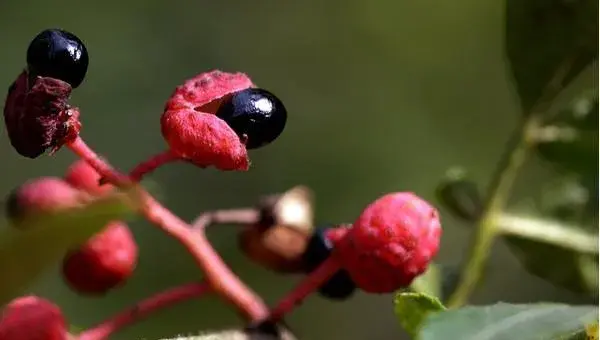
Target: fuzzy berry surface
[
  {"x": 32, "y": 318},
  {"x": 391, "y": 243},
  {"x": 43, "y": 194},
  {"x": 104, "y": 262},
  {"x": 82, "y": 176}
]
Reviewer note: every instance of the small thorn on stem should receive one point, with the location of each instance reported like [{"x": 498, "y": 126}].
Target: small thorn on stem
[
  {"x": 308, "y": 285},
  {"x": 144, "y": 308},
  {"x": 152, "y": 164}
]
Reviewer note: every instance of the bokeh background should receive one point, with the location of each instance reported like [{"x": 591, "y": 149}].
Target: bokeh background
[{"x": 382, "y": 96}]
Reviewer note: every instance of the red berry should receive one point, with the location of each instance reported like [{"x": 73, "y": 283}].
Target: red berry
[
  {"x": 104, "y": 262},
  {"x": 44, "y": 194},
  {"x": 32, "y": 318},
  {"x": 391, "y": 243},
  {"x": 192, "y": 130},
  {"x": 82, "y": 176}
]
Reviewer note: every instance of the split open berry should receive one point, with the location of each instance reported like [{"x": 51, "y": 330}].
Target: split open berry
[
  {"x": 59, "y": 54},
  {"x": 256, "y": 115},
  {"x": 32, "y": 318},
  {"x": 340, "y": 286},
  {"x": 82, "y": 176},
  {"x": 391, "y": 243},
  {"x": 104, "y": 262},
  {"x": 191, "y": 128},
  {"x": 40, "y": 195},
  {"x": 195, "y": 133}
]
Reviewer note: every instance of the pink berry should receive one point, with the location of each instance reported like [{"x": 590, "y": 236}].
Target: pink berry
[
  {"x": 32, "y": 318},
  {"x": 44, "y": 194},
  {"x": 104, "y": 262},
  {"x": 392, "y": 242},
  {"x": 82, "y": 176}
]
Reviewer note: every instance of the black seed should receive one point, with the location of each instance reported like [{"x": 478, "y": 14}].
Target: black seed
[
  {"x": 340, "y": 286},
  {"x": 255, "y": 114},
  {"x": 58, "y": 54}
]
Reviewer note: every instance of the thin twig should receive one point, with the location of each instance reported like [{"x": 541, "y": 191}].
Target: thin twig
[{"x": 144, "y": 308}]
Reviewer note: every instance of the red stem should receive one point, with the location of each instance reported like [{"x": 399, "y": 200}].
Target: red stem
[
  {"x": 152, "y": 164},
  {"x": 307, "y": 286},
  {"x": 144, "y": 308},
  {"x": 221, "y": 279}
]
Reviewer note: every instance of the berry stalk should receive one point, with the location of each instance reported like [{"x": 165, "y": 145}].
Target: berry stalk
[
  {"x": 308, "y": 285},
  {"x": 153, "y": 163},
  {"x": 222, "y": 280},
  {"x": 144, "y": 308}
]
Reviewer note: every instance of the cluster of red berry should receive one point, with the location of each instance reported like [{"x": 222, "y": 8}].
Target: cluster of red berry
[{"x": 212, "y": 119}]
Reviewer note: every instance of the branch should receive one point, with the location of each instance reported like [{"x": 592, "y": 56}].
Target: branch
[
  {"x": 144, "y": 308},
  {"x": 515, "y": 156},
  {"x": 548, "y": 231},
  {"x": 221, "y": 279}
]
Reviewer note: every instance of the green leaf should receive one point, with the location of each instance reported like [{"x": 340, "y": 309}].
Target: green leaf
[
  {"x": 565, "y": 203},
  {"x": 579, "y": 152},
  {"x": 27, "y": 253},
  {"x": 542, "y": 36},
  {"x": 505, "y": 321},
  {"x": 413, "y": 308},
  {"x": 562, "y": 267}
]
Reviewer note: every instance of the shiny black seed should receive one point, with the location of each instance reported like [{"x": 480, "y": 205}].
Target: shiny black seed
[
  {"x": 340, "y": 286},
  {"x": 254, "y": 114},
  {"x": 58, "y": 54}
]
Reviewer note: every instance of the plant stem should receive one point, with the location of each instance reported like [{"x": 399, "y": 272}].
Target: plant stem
[
  {"x": 308, "y": 285},
  {"x": 152, "y": 164},
  {"x": 549, "y": 232},
  {"x": 517, "y": 152},
  {"x": 144, "y": 308},
  {"x": 221, "y": 279}
]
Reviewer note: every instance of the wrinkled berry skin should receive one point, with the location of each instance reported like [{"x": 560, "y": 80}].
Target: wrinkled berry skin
[
  {"x": 104, "y": 262},
  {"x": 318, "y": 249},
  {"x": 37, "y": 116},
  {"x": 44, "y": 194},
  {"x": 194, "y": 133},
  {"x": 32, "y": 318},
  {"x": 58, "y": 54},
  {"x": 83, "y": 177},
  {"x": 256, "y": 115},
  {"x": 392, "y": 242}
]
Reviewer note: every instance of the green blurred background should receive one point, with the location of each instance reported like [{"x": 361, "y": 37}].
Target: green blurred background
[{"x": 382, "y": 96}]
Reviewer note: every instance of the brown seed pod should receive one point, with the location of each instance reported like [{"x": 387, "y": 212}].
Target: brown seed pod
[
  {"x": 293, "y": 208},
  {"x": 279, "y": 238}
]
